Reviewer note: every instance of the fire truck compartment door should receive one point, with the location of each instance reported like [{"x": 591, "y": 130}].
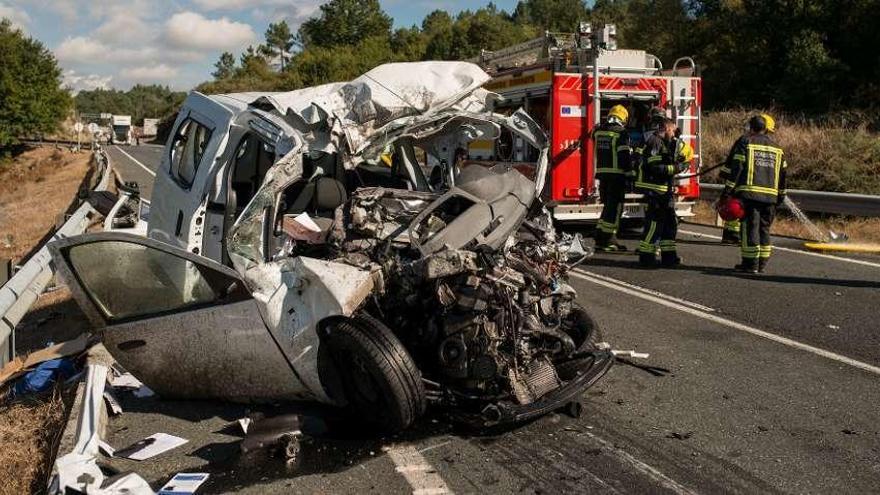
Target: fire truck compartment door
[{"x": 630, "y": 95}]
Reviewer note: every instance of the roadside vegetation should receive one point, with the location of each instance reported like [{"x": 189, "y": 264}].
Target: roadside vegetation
[
  {"x": 31, "y": 98},
  {"x": 29, "y": 432},
  {"x": 37, "y": 185},
  {"x": 833, "y": 153}
]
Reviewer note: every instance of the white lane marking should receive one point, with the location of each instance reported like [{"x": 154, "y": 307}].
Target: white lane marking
[
  {"x": 791, "y": 250},
  {"x": 732, "y": 324},
  {"x": 647, "y": 291},
  {"x": 135, "y": 160},
  {"x": 419, "y": 473},
  {"x": 650, "y": 471}
]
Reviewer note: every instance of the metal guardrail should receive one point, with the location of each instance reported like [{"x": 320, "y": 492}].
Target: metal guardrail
[
  {"x": 860, "y": 205},
  {"x": 20, "y": 292}
]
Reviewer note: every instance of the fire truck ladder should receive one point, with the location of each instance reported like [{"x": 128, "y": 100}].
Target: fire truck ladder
[{"x": 685, "y": 111}]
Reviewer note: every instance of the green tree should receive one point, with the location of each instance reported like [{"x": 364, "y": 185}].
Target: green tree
[
  {"x": 225, "y": 66},
  {"x": 437, "y": 28},
  {"x": 280, "y": 40},
  {"x": 141, "y": 101},
  {"x": 408, "y": 44},
  {"x": 345, "y": 23},
  {"x": 551, "y": 15},
  {"x": 32, "y": 100}
]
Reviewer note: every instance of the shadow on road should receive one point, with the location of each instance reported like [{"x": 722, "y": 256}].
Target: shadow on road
[{"x": 631, "y": 263}]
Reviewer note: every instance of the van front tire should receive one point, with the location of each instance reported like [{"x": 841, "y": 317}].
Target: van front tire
[{"x": 382, "y": 385}]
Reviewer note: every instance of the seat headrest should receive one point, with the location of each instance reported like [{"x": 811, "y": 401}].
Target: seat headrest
[{"x": 329, "y": 193}]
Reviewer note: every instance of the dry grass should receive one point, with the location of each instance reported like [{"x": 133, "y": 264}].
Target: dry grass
[
  {"x": 35, "y": 188},
  {"x": 29, "y": 432},
  {"x": 841, "y": 155},
  {"x": 858, "y": 229}
]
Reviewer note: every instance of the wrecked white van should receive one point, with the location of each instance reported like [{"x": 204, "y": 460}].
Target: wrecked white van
[{"x": 295, "y": 251}]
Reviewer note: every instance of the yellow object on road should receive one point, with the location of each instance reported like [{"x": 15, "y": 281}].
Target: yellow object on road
[{"x": 849, "y": 247}]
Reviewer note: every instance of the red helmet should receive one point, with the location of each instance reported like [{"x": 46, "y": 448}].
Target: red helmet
[{"x": 731, "y": 209}]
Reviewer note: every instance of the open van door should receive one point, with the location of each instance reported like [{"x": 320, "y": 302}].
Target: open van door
[
  {"x": 186, "y": 326},
  {"x": 189, "y": 159}
]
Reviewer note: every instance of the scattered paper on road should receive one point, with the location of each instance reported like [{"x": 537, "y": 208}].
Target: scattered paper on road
[
  {"x": 151, "y": 446},
  {"x": 183, "y": 484}
]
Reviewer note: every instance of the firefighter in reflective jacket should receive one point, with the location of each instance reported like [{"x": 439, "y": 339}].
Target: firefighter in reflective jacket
[
  {"x": 756, "y": 175},
  {"x": 663, "y": 157},
  {"x": 613, "y": 168}
]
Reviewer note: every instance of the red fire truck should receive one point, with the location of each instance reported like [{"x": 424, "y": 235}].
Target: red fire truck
[{"x": 553, "y": 77}]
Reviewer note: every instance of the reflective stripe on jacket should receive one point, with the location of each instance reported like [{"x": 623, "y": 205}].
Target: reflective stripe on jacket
[
  {"x": 613, "y": 151},
  {"x": 658, "y": 166},
  {"x": 755, "y": 169}
]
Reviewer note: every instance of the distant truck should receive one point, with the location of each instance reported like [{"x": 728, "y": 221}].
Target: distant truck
[
  {"x": 150, "y": 127},
  {"x": 120, "y": 127}
]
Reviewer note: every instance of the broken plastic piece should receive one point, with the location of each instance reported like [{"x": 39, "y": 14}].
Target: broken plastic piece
[
  {"x": 112, "y": 403},
  {"x": 125, "y": 381},
  {"x": 106, "y": 448},
  {"x": 244, "y": 423},
  {"x": 631, "y": 354},
  {"x": 283, "y": 431}
]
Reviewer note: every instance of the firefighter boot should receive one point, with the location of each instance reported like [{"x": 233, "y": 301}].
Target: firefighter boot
[
  {"x": 669, "y": 259},
  {"x": 747, "y": 266},
  {"x": 614, "y": 245},
  {"x": 762, "y": 264},
  {"x": 729, "y": 236},
  {"x": 603, "y": 240},
  {"x": 647, "y": 260}
]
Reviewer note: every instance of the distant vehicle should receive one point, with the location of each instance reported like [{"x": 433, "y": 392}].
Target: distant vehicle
[
  {"x": 552, "y": 78},
  {"x": 150, "y": 127},
  {"x": 121, "y": 131},
  {"x": 353, "y": 281}
]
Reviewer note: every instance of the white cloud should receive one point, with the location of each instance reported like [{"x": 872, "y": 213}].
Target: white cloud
[
  {"x": 78, "y": 82},
  {"x": 295, "y": 13},
  {"x": 124, "y": 29},
  {"x": 237, "y": 4},
  {"x": 190, "y": 30},
  {"x": 15, "y": 14},
  {"x": 148, "y": 74},
  {"x": 80, "y": 49}
]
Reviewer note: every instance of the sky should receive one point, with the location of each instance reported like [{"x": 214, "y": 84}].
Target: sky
[{"x": 116, "y": 44}]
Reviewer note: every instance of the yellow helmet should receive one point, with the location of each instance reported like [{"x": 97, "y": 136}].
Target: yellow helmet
[
  {"x": 684, "y": 152},
  {"x": 619, "y": 112},
  {"x": 769, "y": 122}
]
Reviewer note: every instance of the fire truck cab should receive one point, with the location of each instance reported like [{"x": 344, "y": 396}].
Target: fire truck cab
[{"x": 553, "y": 79}]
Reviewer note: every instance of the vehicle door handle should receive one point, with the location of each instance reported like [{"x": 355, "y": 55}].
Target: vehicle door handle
[{"x": 179, "y": 223}]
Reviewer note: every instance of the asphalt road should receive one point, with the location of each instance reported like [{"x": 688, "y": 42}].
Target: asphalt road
[
  {"x": 137, "y": 163},
  {"x": 773, "y": 387}
]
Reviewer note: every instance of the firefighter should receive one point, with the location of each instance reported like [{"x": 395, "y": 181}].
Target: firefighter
[
  {"x": 663, "y": 157},
  {"x": 613, "y": 167},
  {"x": 756, "y": 175}
]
